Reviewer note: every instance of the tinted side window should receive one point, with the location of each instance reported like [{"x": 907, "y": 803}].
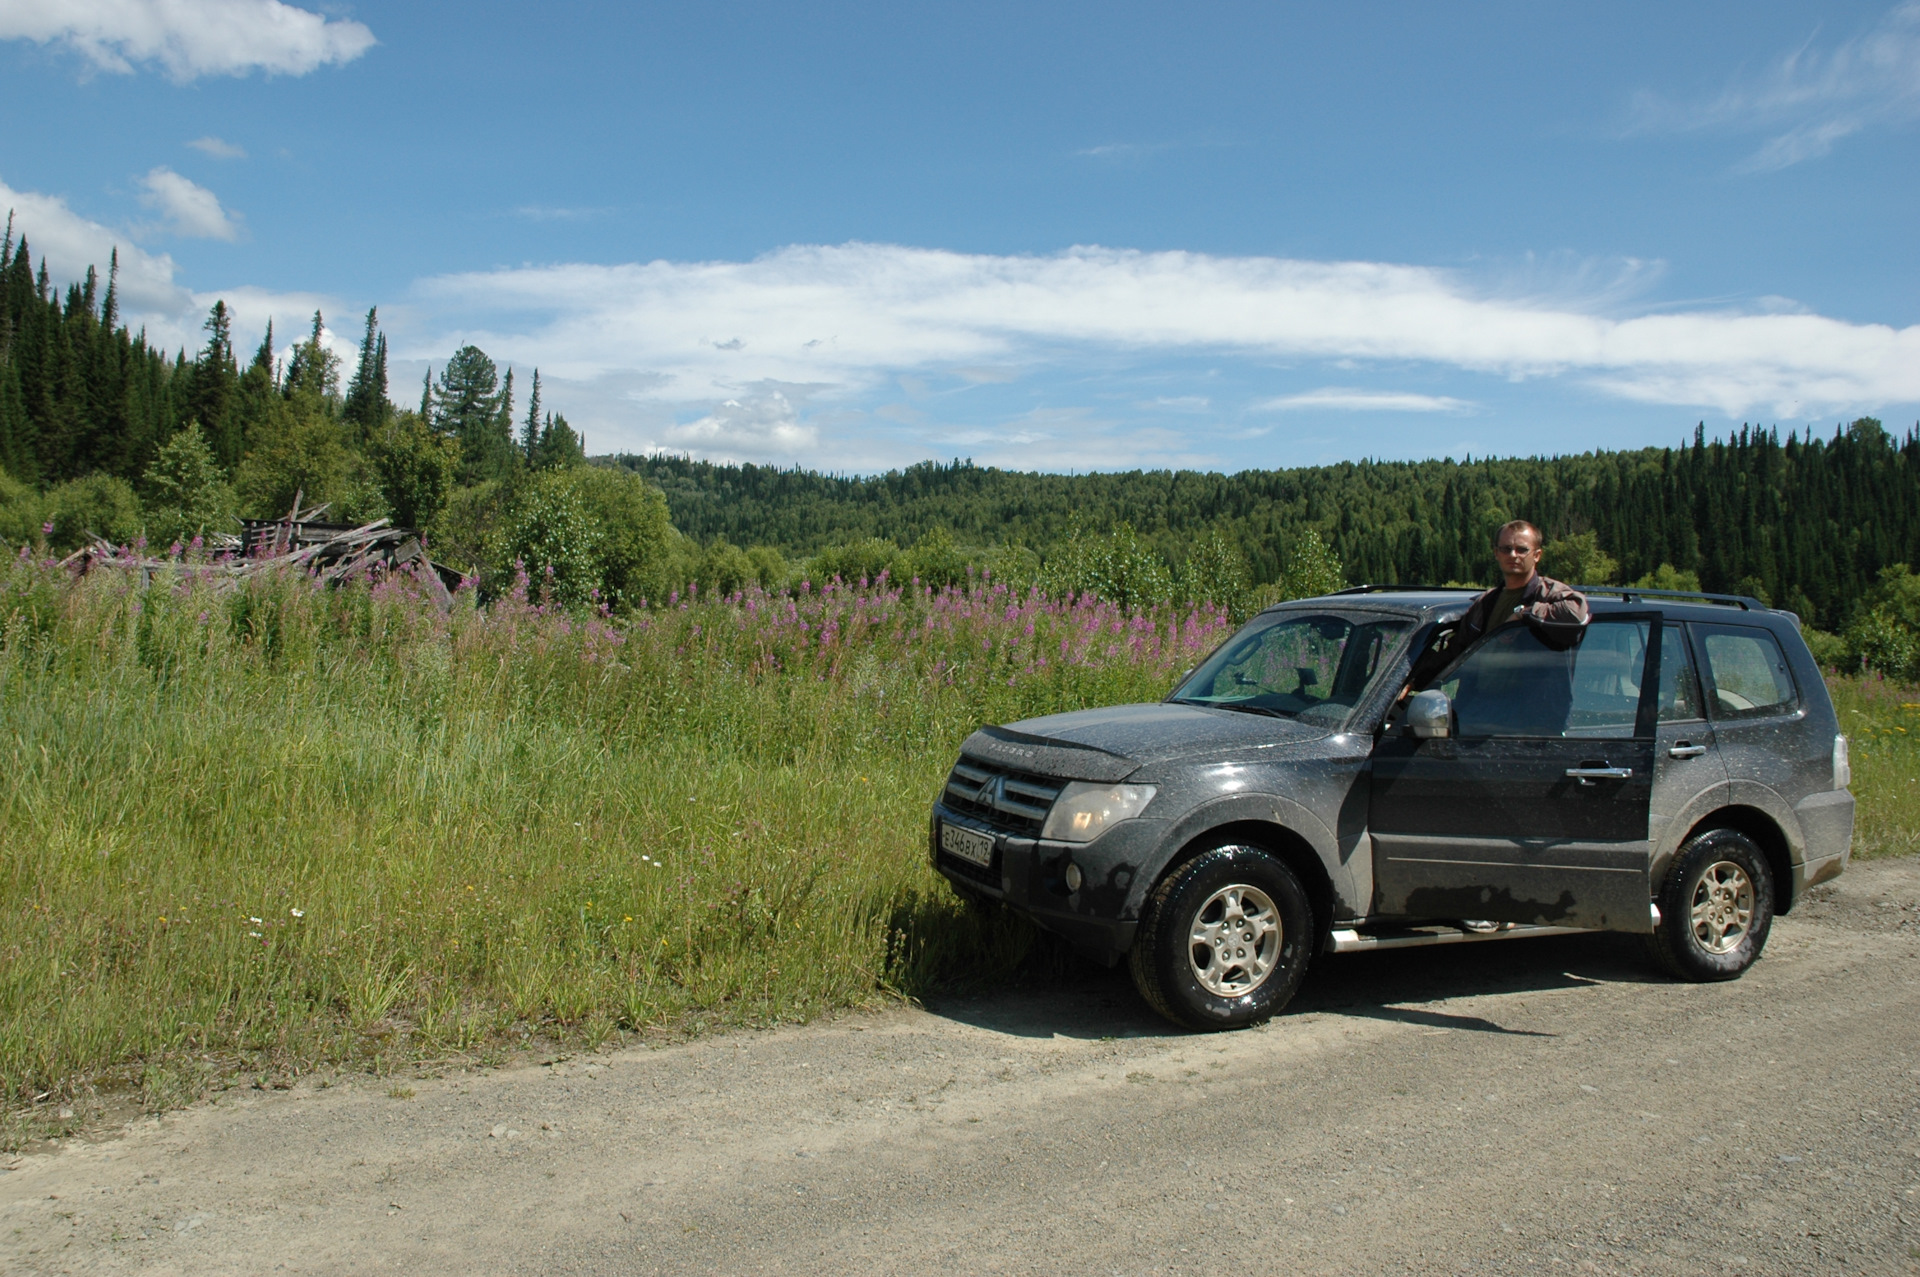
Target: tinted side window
[
  {"x": 1514, "y": 684},
  {"x": 1679, "y": 688},
  {"x": 1748, "y": 672}
]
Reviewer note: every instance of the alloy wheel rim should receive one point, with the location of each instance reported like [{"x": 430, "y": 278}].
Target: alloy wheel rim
[
  {"x": 1234, "y": 942},
  {"x": 1722, "y": 908}
]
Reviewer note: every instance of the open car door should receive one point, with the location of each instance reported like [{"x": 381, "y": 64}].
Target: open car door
[{"x": 1534, "y": 808}]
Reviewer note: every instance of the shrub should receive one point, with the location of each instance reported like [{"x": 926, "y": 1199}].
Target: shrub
[{"x": 98, "y": 505}]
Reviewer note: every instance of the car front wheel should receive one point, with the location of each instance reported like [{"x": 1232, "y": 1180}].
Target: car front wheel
[
  {"x": 1716, "y": 907},
  {"x": 1224, "y": 940}
]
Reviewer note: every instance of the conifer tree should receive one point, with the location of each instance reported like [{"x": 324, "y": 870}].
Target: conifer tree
[
  {"x": 366, "y": 409},
  {"x": 530, "y": 432},
  {"x": 210, "y": 394}
]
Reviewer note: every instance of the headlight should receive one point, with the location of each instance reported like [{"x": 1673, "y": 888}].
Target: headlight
[{"x": 1086, "y": 809}]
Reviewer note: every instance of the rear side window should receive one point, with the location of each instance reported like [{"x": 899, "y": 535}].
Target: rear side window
[
  {"x": 1747, "y": 672},
  {"x": 1679, "y": 689}
]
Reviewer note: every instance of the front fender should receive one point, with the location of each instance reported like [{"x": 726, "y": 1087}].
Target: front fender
[{"x": 1239, "y": 809}]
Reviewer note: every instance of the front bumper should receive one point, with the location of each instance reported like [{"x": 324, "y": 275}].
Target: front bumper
[{"x": 1029, "y": 875}]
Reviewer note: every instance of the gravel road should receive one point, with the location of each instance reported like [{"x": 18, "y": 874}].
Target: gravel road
[{"x": 1531, "y": 1106}]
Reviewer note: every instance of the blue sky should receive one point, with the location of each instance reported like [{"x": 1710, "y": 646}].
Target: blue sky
[{"x": 1061, "y": 237}]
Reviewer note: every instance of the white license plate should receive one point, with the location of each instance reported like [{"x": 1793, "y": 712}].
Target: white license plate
[{"x": 975, "y": 848}]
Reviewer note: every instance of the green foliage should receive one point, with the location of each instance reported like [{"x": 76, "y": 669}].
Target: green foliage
[
  {"x": 301, "y": 449},
  {"x": 1578, "y": 559},
  {"x": 1312, "y": 569},
  {"x": 1812, "y": 519},
  {"x": 1885, "y": 636},
  {"x": 98, "y": 505},
  {"x": 187, "y": 494},
  {"x": 558, "y": 542},
  {"x": 468, "y": 530},
  {"x": 1216, "y": 572},
  {"x": 451, "y": 825},
  {"x": 855, "y": 562},
  {"x": 19, "y": 512},
  {"x": 469, "y": 407},
  {"x": 586, "y": 529},
  {"x": 1667, "y": 577},
  {"x": 1116, "y": 567},
  {"x": 934, "y": 560},
  {"x": 415, "y": 468}
]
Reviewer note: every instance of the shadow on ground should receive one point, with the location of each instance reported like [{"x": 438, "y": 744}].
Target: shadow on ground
[{"x": 1063, "y": 995}]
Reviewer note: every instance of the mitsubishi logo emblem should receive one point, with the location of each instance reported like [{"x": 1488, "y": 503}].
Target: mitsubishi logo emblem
[{"x": 989, "y": 792}]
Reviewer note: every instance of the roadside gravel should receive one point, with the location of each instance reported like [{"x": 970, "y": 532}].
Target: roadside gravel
[{"x": 1546, "y": 1105}]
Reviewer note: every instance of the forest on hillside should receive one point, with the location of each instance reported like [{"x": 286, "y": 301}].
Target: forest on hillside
[{"x": 104, "y": 434}]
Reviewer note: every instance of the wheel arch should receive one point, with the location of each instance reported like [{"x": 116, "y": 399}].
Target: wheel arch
[
  {"x": 1286, "y": 845},
  {"x": 1766, "y": 834}
]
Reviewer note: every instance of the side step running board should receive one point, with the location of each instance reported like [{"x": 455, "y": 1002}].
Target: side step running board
[{"x": 1354, "y": 941}]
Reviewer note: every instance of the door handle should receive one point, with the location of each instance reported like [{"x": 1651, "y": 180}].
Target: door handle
[
  {"x": 1684, "y": 750},
  {"x": 1587, "y": 775}
]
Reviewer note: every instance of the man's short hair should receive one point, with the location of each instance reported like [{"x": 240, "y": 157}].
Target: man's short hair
[{"x": 1518, "y": 525}]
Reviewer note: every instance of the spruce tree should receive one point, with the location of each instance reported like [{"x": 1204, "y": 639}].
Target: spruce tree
[{"x": 366, "y": 409}]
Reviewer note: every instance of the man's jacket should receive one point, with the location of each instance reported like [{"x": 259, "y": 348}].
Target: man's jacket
[{"x": 1555, "y": 611}]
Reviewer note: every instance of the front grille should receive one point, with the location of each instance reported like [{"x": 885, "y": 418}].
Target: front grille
[{"x": 1013, "y": 801}]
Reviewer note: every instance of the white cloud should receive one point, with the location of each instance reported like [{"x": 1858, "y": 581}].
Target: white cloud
[
  {"x": 218, "y": 148},
  {"x": 189, "y": 38},
  {"x": 70, "y": 243},
  {"x": 1342, "y": 399},
  {"x": 191, "y": 210},
  {"x": 854, "y": 316},
  {"x": 749, "y": 427},
  {"x": 1813, "y": 98}
]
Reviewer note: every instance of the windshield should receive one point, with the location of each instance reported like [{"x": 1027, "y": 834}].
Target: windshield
[{"x": 1312, "y": 667}]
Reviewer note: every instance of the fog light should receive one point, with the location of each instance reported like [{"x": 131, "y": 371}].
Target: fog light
[{"x": 1074, "y": 876}]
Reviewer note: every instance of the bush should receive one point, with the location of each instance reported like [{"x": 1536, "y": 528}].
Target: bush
[
  {"x": 19, "y": 511},
  {"x": 98, "y": 505},
  {"x": 1885, "y": 634},
  {"x": 1668, "y": 577},
  {"x": 1578, "y": 559},
  {"x": 857, "y": 561},
  {"x": 187, "y": 494},
  {"x": 1117, "y": 568}
]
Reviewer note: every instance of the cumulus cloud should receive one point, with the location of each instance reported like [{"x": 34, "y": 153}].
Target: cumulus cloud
[
  {"x": 1811, "y": 98},
  {"x": 191, "y": 210},
  {"x": 853, "y": 316},
  {"x": 1342, "y": 399},
  {"x": 218, "y": 148},
  {"x": 188, "y": 38},
  {"x": 70, "y": 243}
]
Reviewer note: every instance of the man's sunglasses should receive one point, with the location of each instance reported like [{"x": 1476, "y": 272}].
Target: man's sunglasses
[{"x": 1514, "y": 549}]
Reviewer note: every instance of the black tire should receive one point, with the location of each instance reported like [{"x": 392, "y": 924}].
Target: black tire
[
  {"x": 1716, "y": 907},
  {"x": 1269, "y": 946}
]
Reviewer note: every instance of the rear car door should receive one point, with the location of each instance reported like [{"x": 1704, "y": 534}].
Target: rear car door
[{"x": 1535, "y": 809}]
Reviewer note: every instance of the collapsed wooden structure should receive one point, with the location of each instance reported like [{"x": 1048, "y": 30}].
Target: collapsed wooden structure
[{"x": 330, "y": 552}]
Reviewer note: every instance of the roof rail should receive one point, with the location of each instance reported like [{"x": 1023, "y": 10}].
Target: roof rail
[
  {"x": 1626, "y": 593},
  {"x": 1633, "y": 594}
]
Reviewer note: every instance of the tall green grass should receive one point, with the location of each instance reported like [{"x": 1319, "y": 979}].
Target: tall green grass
[
  {"x": 1882, "y": 722},
  {"x": 286, "y": 826}
]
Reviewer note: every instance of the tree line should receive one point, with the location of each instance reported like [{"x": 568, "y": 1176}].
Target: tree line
[
  {"x": 103, "y": 433},
  {"x": 1805, "y": 522}
]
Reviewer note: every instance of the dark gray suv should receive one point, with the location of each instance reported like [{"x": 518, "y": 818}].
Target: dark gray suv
[{"x": 1675, "y": 771}]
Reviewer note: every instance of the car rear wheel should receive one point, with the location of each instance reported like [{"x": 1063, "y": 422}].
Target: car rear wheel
[
  {"x": 1224, "y": 940},
  {"x": 1716, "y": 907}
]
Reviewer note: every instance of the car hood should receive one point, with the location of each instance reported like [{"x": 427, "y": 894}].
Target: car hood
[{"x": 1111, "y": 743}]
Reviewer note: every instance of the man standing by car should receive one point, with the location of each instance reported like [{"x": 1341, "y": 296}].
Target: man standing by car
[{"x": 1556, "y": 610}]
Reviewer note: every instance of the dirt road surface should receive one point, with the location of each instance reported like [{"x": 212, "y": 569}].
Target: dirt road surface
[{"x": 1532, "y": 1106}]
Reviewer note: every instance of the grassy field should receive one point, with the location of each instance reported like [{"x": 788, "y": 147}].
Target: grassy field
[
  {"x": 255, "y": 833},
  {"x": 1882, "y": 721},
  {"x": 283, "y": 827}
]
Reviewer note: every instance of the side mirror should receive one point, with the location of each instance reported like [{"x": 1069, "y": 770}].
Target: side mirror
[{"x": 1430, "y": 715}]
